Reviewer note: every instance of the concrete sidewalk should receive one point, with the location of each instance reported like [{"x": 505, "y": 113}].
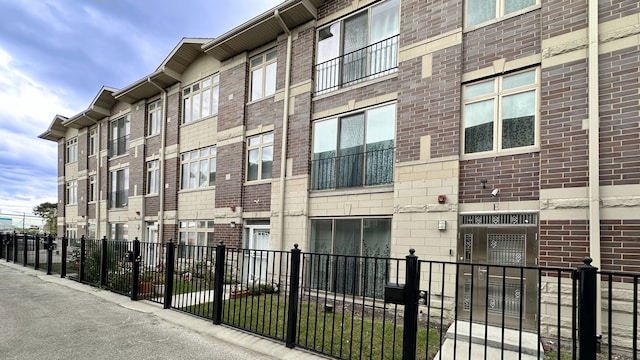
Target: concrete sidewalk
[{"x": 236, "y": 344}]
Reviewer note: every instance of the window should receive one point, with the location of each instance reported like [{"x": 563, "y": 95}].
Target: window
[
  {"x": 91, "y": 231},
  {"x": 71, "y": 231},
  {"x": 72, "y": 192},
  {"x": 153, "y": 177},
  {"x": 154, "y": 114},
  {"x": 346, "y": 239},
  {"x": 93, "y": 189},
  {"x": 260, "y": 157},
  {"x": 93, "y": 141},
  {"x": 500, "y": 114},
  {"x": 354, "y": 150},
  {"x": 119, "y": 136},
  {"x": 119, "y": 231},
  {"x": 118, "y": 188},
  {"x": 200, "y": 100},
  {"x": 360, "y": 46},
  {"x": 196, "y": 240},
  {"x": 198, "y": 168},
  {"x": 72, "y": 150},
  {"x": 479, "y": 11},
  {"x": 263, "y": 75}
]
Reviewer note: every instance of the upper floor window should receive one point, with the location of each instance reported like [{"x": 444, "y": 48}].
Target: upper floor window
[
  {"x": 198, "y": 168},
  {"x": 72, "y": 192},
  {"x": 119, "y": 136},
  {"x": 154, "y": 117},
  {"x": 118, "y": 188},
  {"x": 260, "y": 157},
  {"x": 501, "y": 113},
  {"x": 93, "y": 141},
  {"x": 200, "y": 99},
  {"x": 364, "y": 45},
  {"x": 93, "y": 189},
  {"x": 153, "y": 177},
  {"x": 263, "y": 75},
  {"x": 354, "y": 150},
  {"x": 479, "y": 11},
  {"x": 72, "y": 150}
]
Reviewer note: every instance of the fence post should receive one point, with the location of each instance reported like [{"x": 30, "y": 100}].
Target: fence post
[
  {"x": 135, "y": 281},
  {"x": 2, "y": 246},
  {"x": 15, "y": 248},
  {"x": 49, "y": 254},
  {"x": 587, "y": 289},
  {"x": 36, "y": 245},
  {"x": 25, "y": 249},
  {"x": 294, "y": 283},
  {"x": 411, "y": 288},
  {"x": 103, "y": 261},
  {"x": 63, "y": 257},
  {"x": 83, "y": 246},
  {"x": 169, "y": 265},
  {"x": 218, "y": 283}
]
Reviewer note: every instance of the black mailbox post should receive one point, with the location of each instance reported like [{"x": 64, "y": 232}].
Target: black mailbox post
[{"x": 394, "y": 293}]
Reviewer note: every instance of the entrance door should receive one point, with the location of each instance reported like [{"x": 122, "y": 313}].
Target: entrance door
[
  {"x": 493, "y": 286},
  {"x": 256, "y": 255}
]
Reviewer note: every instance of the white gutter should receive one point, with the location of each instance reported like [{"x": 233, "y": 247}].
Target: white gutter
[
  {"x": 594, "y": 154},
  {"x": 285, "y": 127},
  {"x": 161, "y": 152}
]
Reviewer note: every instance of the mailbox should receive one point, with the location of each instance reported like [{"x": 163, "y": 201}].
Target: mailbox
[
  {"x": 394, "y": 293},
  {"x": 129, "y": 257}
]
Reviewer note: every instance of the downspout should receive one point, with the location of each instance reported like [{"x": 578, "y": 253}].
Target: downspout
[
  {"x": 594, "y": 154},
  {"x": 98, "y": 160},
  {"x": 161, "y": 153},
  {"x": 285, "y": 127}
]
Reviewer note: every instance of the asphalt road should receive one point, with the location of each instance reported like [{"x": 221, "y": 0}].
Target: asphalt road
[{"x": 46, "y": 320}]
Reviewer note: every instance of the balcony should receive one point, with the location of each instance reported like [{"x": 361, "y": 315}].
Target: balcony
[
  {"x": 119, "y": 146},
  {"x": 369, "y": 62},
  {"x": 352, "y": 170},
  {"x": 118, "y": 199}
]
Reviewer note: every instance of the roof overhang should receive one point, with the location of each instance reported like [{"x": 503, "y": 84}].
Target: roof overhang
[
  {"x": 56, "y": 130},
  {"x": 100, "y": 107},
  {"x": 167, "y": 74},
  {"x": 262, "y": 29}
]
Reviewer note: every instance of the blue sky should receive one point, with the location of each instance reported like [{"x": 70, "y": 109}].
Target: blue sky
[{"x": 55, "y": 55}]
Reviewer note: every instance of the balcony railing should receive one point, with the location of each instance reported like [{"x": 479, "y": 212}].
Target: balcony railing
[
  {"x": 369, "y": 62},
  {"x": 118, "y": 199},
  {"x": 119, "y": 146},
  {"x": 353, "y": 170}
]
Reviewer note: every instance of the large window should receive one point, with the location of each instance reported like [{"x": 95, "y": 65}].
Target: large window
[
  {"x": 196, "y": 240},
  {"x": 479, "y": 11},
  {"x": 72, "y": 192},
  {"x": 93, "y": 189},
  {"x": 200, "y": 100},
  {"x": 263, "y": 75},
  {"x": 198, "y": 168},
  {"x": 119, "y": 136},
  {"x": 501, "y": 113},
  {"x": 118, "y": 188},
  {"x": 260, "y": 157},
  {"x": 153, "y": 177},
  {"x": 354, "y": 150},
  {"x": 353, "y": 242},
  {"x": 154, "y": 118},
  {"x": 72, "y": 150},
  {"x": 361, "y": 46},
  {"x": 71, "y": 231},
  {"x": 119, "y": 231},
  {"x": 93, "y": 141}
]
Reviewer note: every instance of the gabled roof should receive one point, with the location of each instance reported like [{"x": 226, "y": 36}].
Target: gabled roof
[
  {"x": 99, "y": 108},
  {"x": 56, "y": 130},
  {"x": 262, "y": 29},
  {"x": 167, "y": 74}
]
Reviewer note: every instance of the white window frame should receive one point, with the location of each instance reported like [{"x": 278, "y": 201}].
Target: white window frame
[
  {"x": 193, "y": 106},
  {"x": 195, "y": 234},
  {"x": 71, "y": 231},
  {"x": 72, "y": 192},
  {"x": 93, "y": 141},
  {"x": 114, "y": 188},
  {"x": 262, "y": 65},
  {"x": 193, "y": 160},
  {"x": 72, "y": 150},
  {"x": 263, "y": 141},
  {"x": 122, "y": 141},
  {"x": 499, "y": 14},
  {"x": 154, "y": 118},
  {"x": 93, "y": 190},
  {"x": 497, "y": 96},
  {"x": 153, "y": 177}
]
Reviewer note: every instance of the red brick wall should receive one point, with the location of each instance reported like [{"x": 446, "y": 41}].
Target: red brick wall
[
  {"x": 260, "y": 192},
  {"x": 615, "y": 9},
  {"x": 620, "y": 245},
  {"x": 228, "y": 192},
  {"x": 563, "y": 243},
  {"x": 330, "y": 7},
  {"x": 563, "y": 16},
  {"x": 422, "y": 19},
  {"x": 174, "y": 108},
  {"x": 171, "y": 171},
  {"x": 231, "y": 237},
  {"x": 231, "y": 111}
]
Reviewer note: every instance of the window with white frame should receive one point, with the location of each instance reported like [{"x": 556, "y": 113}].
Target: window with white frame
[
  {"x": 200, "y": 100},
  {"x": 354, "y": 150},
  {"x": 93, "y": 141},
  {"x": 118, "y": 188},
  {"x": 260, "y": 157},
  {"x": 263, "y": 75},
  {"x": 72, "y": 150},
  {"x": 93, "y": 189},
  {"x": 71, "y": 231},
  {"x": 501, "y": 113},
  {"x": 72, "y": 192},
  {"x": 91, "y": 231},
  {"x": 480, "y": 11},
  {"x": 119, "y": 136},
  {"x": 118, "y": 231},
  {"x": 196, "y": 239},
  {"x": 198, "y": 168},
  {"x": 153, "y": 177},
  {"x": 154, "y": 118}
]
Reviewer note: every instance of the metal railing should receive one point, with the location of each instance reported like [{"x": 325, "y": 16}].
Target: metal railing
[
  {"x": 367, "y": 168},
  {"x": 369, "y": 62},
  {"x": 119, "y": 146}
]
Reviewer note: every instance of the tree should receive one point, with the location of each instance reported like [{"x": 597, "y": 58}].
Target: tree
[{"x": 48, "y": 212}]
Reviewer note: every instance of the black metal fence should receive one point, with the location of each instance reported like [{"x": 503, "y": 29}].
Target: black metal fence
[{"x": 353, "y": 307}]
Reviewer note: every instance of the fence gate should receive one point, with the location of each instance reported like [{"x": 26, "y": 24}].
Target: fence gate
[{"x": 496, "y": 291}]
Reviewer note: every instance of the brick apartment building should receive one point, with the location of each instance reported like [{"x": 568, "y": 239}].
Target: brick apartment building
[{"x": 488, "y": 131}]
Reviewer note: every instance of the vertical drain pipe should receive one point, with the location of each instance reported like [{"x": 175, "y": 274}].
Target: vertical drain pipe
[
  {"x": 163, "y": 130},
  {"x": 594, "y": 154},
  {"x": 285, "y": 128}
]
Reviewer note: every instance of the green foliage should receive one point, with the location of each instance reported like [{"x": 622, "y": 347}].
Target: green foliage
[{"x": 48, "y": 211}]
